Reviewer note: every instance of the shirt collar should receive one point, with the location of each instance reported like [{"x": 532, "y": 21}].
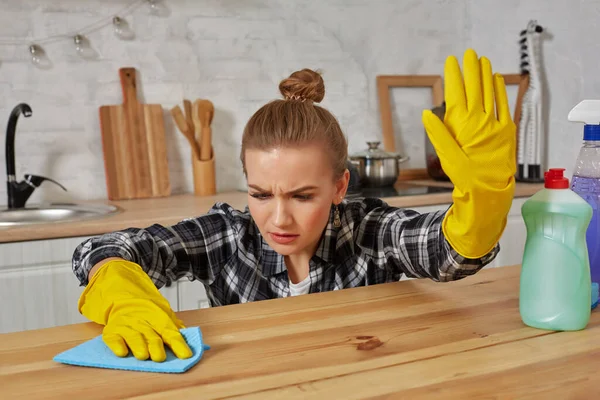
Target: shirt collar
[{"x": 272, "y": 263}]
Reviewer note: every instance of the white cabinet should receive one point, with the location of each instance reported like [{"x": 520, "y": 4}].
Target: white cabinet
[
  {"x": 38, "y": 288},
  {"x": 170, "y": 293},
  {"x": 191, "y": 295},
  {"x": 512, "y": 242}
]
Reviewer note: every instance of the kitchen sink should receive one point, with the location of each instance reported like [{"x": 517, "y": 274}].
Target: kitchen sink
[{"x": 52, "y": 213}]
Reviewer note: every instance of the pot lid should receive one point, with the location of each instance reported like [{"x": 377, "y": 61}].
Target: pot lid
[{"x": 374, "y": 152}]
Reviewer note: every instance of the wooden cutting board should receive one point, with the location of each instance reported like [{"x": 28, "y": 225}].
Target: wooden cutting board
[{"x": 133, "y": 140}]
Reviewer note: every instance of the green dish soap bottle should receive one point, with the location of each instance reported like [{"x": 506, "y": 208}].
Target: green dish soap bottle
[{"x": 555, "y": 287}]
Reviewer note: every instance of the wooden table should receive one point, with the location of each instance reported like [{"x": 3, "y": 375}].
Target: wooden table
[{"x": 411, "y": 340}]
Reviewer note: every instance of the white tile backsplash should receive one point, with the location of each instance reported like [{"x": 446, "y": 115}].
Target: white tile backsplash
[{"x": 236, "y": 52}]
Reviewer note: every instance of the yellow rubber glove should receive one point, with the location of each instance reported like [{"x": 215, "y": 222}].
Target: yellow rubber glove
[
  {"x": 123, "y": 298},
  {"x": 476, "y": 146}
]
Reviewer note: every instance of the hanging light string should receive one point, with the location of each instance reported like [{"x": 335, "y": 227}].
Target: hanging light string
[{"x": 113, "y": 19}]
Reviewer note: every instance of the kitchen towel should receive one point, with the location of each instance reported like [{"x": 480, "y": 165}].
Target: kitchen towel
[{"x": 94, "y": 353}]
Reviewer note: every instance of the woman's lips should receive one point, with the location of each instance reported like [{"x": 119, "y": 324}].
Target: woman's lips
[{"x": 282, "y": 238}]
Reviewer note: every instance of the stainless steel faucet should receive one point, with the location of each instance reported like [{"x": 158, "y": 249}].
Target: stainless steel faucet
[{"x": 19, "y": 192}]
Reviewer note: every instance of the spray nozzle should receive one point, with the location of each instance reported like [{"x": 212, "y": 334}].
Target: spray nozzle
[{"x": 588, "y": 112}]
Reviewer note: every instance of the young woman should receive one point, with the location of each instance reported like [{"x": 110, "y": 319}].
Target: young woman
[{"x": 298, "y": 234}]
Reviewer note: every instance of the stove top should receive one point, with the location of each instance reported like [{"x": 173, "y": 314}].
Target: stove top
[{"x": 405, "y": 189}]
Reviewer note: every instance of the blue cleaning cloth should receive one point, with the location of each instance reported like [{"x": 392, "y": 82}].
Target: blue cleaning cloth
[
  {"x": 595, "y": 293},
  {"x": 94, "y": 353}
]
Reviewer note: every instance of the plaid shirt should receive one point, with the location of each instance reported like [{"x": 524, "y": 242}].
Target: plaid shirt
[{"x": 224, "y": 250}]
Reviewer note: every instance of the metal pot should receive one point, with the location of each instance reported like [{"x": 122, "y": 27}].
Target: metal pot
[{"x": 376, "y": 167}]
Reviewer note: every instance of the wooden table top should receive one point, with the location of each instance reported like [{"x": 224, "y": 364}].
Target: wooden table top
[{"x": 411, "y": 339}]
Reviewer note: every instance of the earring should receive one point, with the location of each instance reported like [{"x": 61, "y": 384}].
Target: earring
[{"x": 337, "y": 222}]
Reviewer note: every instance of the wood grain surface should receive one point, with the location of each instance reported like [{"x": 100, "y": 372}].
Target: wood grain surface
[
  {"x": 414, "y": 339},
  {"x": 134, "y": 145}
]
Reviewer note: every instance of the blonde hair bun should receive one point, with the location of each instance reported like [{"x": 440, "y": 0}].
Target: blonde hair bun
[{"x": 302, "y": 85}]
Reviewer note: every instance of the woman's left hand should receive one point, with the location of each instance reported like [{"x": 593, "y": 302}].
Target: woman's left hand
[{"x": 476, "y": 145}]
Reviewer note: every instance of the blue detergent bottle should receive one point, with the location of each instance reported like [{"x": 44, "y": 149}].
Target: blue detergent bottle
[
  {"x": 586, "y": 179},
  {"x": 555, "y": 289}
]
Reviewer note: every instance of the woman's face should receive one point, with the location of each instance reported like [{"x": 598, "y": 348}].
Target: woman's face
[{"x": 290, "y": 193}]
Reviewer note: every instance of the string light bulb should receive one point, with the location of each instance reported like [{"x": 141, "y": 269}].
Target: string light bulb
[
  {"x": 39, "y": 57},
  {"x": 83, "y": 48},
  {"x": 121, "y": 28},
  {"x": 157, "y": 8}
]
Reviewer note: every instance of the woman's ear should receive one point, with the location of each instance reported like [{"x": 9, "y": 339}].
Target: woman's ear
[{"x": 341, "y": 186}]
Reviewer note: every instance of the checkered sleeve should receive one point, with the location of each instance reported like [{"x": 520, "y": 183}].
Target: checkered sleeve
[
  {"x": 195, "y": 248},
  {"x": 413, "y": 244}
]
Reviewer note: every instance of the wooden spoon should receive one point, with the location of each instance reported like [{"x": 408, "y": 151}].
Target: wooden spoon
[
  {"x": 197, "y": 122},
  {"x": 206, "y": 111},
  {"x": 185, "y": 128},
  {"x": 187, "y": 106}
]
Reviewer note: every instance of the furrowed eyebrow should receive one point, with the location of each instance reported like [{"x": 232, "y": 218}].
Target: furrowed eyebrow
[
  {"x": 295, "y": 191},
  {"x": 257, "y": 188},
  {"x": 302, "y": 189}
]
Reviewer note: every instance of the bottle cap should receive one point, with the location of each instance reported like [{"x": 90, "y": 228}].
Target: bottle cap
[
  {"x": 554, "y": 179},
  {"x": 591, "y": 133}
]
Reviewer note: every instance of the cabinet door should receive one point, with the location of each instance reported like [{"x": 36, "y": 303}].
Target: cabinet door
[
  {"x": 512, "y": 242},
  {"x": 192, "y": 295},
  {"x": 36, "y": 290},
  {"x": 170, "y": 293}
]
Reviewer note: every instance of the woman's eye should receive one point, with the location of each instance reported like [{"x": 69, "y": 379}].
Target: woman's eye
[
  {"x": 304, "y": 197},
  {"x": 260, "y": 196}
]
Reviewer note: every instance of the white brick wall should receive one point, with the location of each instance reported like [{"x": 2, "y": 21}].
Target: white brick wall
[{"x": 236, "y": 52}]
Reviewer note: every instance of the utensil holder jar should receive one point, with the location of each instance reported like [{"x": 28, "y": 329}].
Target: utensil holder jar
[{"x": 204, "y": 176}]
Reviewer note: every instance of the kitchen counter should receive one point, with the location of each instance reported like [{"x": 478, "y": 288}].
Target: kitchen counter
[
  {"x": 410, "y": 339},
  {"x": 169, "y": 210}
]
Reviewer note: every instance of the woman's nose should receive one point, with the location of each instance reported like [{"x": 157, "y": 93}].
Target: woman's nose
[{"x": 282, "y": 217}]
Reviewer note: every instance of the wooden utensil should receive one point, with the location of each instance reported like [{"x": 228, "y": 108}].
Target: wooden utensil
[
  {"x": 206, "y": 111},
  {"x": 204, "y": 168},
  {"x": 133, "y": 140},
  {"x": 187, "y": 106},
  {"x": 197, "y": 121},
  {"x": 186, "y": 128}
]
